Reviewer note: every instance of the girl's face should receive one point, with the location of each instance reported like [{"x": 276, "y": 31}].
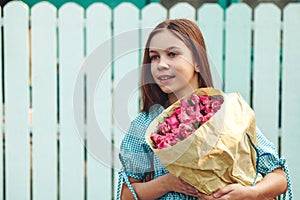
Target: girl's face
[{"x": 172, "y": 65}]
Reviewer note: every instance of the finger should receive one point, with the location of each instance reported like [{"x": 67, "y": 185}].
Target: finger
[
  {"x": 192, "y": 191},
  {"x": 188, "y": 187},
  {"x": 189, "y": 190},
  {"x": 223, "y": 191},
  {"x": 203, "y": 196}
]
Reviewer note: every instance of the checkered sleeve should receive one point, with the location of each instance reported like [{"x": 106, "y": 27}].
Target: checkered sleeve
[
  {"x": 135, "y": 154},
  {"x": 268, "y": 160}
]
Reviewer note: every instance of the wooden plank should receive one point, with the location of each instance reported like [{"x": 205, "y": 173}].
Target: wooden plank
[
  {"x": 149, "y": 21},
  {"x": 99, "y": 101},
  {"x": 290, "y": 92},
  {"x": 210, "y": 22},
  {"x": 238, "y": 50},
  {"x": 17, "y": 138},
  {"x": 266, "y": 69},
  {"x": 126, "y": 73},
  {"x": 182, "y": 10},
  {"x": 44, "y": 101},
  {"x": 71, "y": 146}
]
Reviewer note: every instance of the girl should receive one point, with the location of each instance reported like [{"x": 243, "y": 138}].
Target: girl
[{"x": 175, "y": 63}]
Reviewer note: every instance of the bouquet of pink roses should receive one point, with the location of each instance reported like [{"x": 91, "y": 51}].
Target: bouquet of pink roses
[
  {"x": 186, "y": 119},
  {"x": 204, "y": 138}
]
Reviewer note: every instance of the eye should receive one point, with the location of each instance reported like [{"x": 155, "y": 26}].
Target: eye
[
  {"x": 154, "y": 57},
  {"x": 172, "y": 54}
]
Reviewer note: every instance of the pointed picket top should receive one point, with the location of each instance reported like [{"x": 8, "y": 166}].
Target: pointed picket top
[
  {"x": 238, "y": 49},
  {"x": 182, "y": 10},
  {"x": 210, "y": 22},
  {"x": 149, "y": 21}
]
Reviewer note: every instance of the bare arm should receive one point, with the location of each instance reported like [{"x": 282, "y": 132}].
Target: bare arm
[
  {"x": 157, "y": 187},
  {"x": 272, "y": 185}
]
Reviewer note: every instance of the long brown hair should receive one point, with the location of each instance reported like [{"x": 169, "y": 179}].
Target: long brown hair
[{"x": 190, "y": 34}]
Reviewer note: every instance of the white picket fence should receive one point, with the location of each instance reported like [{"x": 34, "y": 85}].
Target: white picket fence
[{"x": 66, "y": 152}]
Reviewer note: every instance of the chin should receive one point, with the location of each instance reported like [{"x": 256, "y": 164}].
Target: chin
[{"x": 166, "y": 90}]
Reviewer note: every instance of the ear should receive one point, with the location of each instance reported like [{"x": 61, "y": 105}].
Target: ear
[{"x": 196, "y": 67}]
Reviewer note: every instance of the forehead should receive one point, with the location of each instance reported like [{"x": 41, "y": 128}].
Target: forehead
[{"x": 165, "y": 39}]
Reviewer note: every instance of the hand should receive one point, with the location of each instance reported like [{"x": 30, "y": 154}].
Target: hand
[
  {"x": 178, "y": 185},
  {"x": 232, "y": 192}
]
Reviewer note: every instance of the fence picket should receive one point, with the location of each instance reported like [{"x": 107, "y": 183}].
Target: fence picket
[
  {"x": 182, "y": 10},
  {"x": 99, "y": 102},
  {"x": 290, "y": 91},
  {"x": 44, "y": 100},
  {"x": 210, "y": 22},
  {"x": 266, "y": 69},
  {"x": 126, "y": 73},
  {"x": 149, "y": 21},
  {"x": 71, "y": 146},
  {"x": 17, "y": 138},
  {"x": 238, "y": 50}
]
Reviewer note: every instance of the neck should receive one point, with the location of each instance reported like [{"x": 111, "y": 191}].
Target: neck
[{"x": 173, "y": 97}]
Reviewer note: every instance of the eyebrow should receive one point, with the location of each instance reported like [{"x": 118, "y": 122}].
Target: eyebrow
[{"x": 167, "y": 49}]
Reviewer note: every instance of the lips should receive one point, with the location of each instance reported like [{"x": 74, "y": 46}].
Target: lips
[{"x": 165, "y": 77}]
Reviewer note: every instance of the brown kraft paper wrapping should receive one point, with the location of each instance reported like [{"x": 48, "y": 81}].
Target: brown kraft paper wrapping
[{"x": 219, "y": 152}]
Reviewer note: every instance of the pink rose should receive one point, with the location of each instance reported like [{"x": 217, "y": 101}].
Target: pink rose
[
  {"x": 163, "y": 145},
  {"x": 207, "y": 117},
  {"x": 195, "y": 99},
  {"x": 216, "y": 105},
  {"x": 184, "y": 103},
  {"x": 178, "y": 110},
  {"x": 172, "y": 121},
  {"x": 184, "y": 117},
  {"x": 163, "y": 127},
  {"x": 204, "y": 99}
]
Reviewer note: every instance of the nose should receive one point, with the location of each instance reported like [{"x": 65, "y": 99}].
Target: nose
[{"x": 163, "y": 63}]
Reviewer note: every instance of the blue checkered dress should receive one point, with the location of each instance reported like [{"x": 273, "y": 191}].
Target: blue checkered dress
[{"x": 138, "y": 159}]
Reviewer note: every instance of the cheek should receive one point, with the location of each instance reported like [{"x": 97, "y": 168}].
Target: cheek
[
  {"x": 152, "y": 74},
  {"x": 152, "y": 69}
]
